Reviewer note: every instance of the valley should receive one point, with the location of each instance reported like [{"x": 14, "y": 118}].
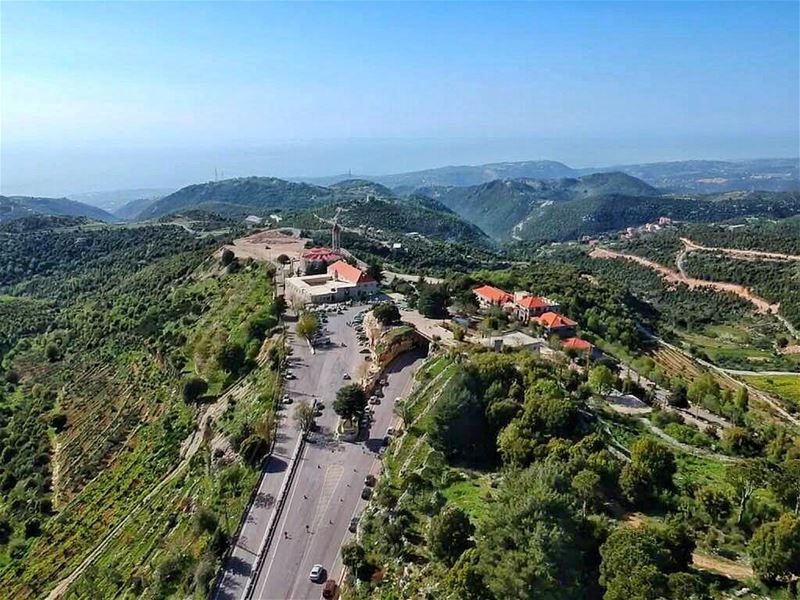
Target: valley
[{"x": 169, "y": 464}]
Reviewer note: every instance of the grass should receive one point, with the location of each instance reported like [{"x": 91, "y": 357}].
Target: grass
[
  {"x": 745, "y": 344},
  {"x": 470, "y": 496},
  {"x": 699, "y": 471},
  {"x": 785, "y": 386}
]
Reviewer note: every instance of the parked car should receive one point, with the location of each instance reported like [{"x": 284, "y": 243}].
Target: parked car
[
  {"x": 369, "y": 480},
  {"x": 287, "y": 399},
  {"x": 317, "y": 573},
  {"x": 353, "y": 527},
  {"x": 374, "y": 400},
  {"x": 329, "y": 589},
  {"x": 366, "y": 493},
  {"x": 390, "y": 431}
]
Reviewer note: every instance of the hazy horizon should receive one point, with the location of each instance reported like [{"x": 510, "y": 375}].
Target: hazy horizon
[{"x": 106, "y": 96}]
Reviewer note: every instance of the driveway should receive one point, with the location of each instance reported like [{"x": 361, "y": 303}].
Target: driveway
[
  {"x": 318, "y": 375},
  {"x": 326, "y": 494}
]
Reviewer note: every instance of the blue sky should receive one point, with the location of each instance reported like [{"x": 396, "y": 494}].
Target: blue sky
[{"x": 314, "y": 89}]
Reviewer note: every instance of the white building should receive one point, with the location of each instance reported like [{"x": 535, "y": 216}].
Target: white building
[{"x": 340, "y": 283}]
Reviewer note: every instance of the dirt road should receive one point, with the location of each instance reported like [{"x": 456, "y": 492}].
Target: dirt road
[
  {"x": 672, "y": 276},
  {"x": 737, "y": 253}
]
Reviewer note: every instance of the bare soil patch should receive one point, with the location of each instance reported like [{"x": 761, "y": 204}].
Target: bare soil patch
[{"x": 269, "y": 245}]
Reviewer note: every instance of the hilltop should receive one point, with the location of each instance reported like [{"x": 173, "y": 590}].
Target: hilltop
[
  {"x": 16, "y": 207},
  {"x": 500, "y": 206},
  {"x": 253, "y": 193},
  {"x": 695, "y": 176}
]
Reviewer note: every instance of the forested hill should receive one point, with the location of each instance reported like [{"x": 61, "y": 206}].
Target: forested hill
[
  {"x": 394, "y": 217},
  {"x": 590, "y": 216},
  {"x": 498, "y": 207},
  {"x": 255, "y": 193},
  {"x": 16, "y": 207}
]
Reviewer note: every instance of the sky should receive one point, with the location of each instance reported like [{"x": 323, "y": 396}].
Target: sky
[{"x": 103, "y": 95}]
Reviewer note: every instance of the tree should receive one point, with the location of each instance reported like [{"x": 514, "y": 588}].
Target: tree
[
  {"x": 587, "y": 487},
  {"x": 650, "y": 471},
  {"x": 354, "y": 557},
  {"x": 386, "y": 313},
  {"x": 351, "y": 402},
  {"x": 678, "y": 395},
  {"x": 52, "y": 352},
  {"x": 601, "y": 380},
  {"x": 432, "y": 301},
  {"x": 12, "y": 377},
  {"x": 193, "y": 388},
  {"x": 775, "y": 549},
  {"x": 715, "y": 502},
  {"x": 636, "y": 560},
  {"x": 205, "y": 520},
  {"x": 459, "y": 426},
  {"x": 466, "y": 303},
  {"x": 745, "y": 478},
  {"x": 375, "y": 270},
  {"x": 531, "y": 544},
  {"x": 304, "y": 416},
  {"x": 449, "y": 534},
  {"x": 307, "y": 325},
  {"x": 227, "y": 257},
  {"x": 283, "y": 259},
  {"x": 685, "y": 586},
  {"x": 786, "y": 483},
  {"x": 403, "y": 410},
  {"x": 231, "y": 357}
]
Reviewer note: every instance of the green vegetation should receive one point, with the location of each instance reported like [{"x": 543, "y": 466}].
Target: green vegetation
[
  {"x": 22, "y": 207},
  {"x": 140, "y": 335},
  {"x": 508, "y": 484},
  {"x": 785, "y": 386},
  {"x": 777, "y": 282}
]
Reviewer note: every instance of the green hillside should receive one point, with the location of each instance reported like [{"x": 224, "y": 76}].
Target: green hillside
[
  {"x": 573, "y": 219},
  {"x": 17, "y": 207},
  {"x": 499, "y": 206},
  {"x": 257, "y": 193}
]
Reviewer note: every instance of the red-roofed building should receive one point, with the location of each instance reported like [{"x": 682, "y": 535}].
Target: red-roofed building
[
  {"x": 342, "y": 271},
  {"x": 529, "y": 307},
  {"x": 556, "y": 324},
  {"x": 576, "y": 343},
  {"x": 491, "y": 296},
  {"x": 321, "y": 254}
]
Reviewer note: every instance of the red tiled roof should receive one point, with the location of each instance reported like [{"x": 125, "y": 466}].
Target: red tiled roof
[
  {"x": 347, "y": 272},
  {"x": 576, "y": 343},
  {"x": 555, "y": 320},
  {"x": 321, "y": 254},
  {"x": 493, "y": 294},
  {"x": 531, "y": 302}
]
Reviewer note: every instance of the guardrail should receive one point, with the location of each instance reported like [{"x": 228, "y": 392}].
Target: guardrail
[{"x": 273, "y": 522}]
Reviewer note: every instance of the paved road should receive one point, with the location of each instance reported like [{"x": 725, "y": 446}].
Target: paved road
[
  {"x": 318, "y": 375},
  {"x": 326, "y": 495}
]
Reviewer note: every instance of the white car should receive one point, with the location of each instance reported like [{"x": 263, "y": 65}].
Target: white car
[{"x": 317, "y": 573}]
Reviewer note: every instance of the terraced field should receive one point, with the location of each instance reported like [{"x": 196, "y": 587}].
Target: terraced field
[{"x": 113, "y": 376}]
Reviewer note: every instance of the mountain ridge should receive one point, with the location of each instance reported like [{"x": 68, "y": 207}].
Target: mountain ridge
[{"x": 15, "y": 207}]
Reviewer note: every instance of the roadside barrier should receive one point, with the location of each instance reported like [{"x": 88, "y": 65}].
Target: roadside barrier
[{"x": 294, "y": 461}]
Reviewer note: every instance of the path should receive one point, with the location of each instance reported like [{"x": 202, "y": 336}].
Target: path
[
  {"x": 764, "y": 397},
  {"x": 736, "y": 252},
  {"x": 189, "y": 448},
  {"x": 690, "y": 246},
  {"x": 673, "y": 276}
]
